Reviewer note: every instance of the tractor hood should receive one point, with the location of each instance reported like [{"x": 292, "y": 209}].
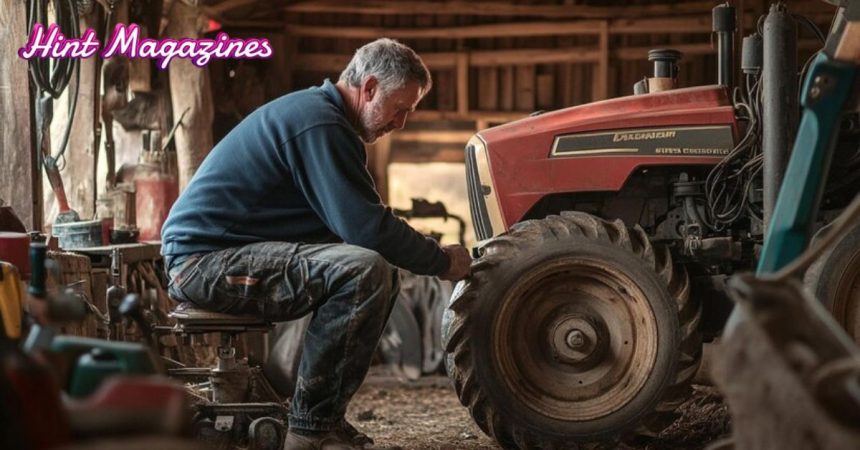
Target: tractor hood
[
  {"x": 595, "y": 147},
  {"x": 698, "y": 105}
]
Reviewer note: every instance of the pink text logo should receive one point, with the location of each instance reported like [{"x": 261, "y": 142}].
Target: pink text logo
[{"x": 126, "y": 41}]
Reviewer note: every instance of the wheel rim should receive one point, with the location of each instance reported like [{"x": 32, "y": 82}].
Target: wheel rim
[
  {"x": 575, "y": 340},
  {"x": 846, "y": 302}
]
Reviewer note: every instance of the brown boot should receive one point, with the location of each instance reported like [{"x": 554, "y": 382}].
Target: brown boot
[
  {"x": 324, "y": 440},
  {"x": 357, "y": 438}
]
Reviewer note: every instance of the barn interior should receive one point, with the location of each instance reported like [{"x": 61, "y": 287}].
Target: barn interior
[{"x": 95, "y": 151}]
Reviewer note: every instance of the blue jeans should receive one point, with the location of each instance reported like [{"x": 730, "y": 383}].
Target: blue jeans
[{"x": 350, "y": 291}]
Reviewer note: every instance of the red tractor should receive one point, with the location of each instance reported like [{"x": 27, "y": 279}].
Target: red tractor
[{"x": 607, "y": 232}]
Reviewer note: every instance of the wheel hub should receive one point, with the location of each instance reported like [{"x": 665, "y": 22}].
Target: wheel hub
[
  {"x": 577, "y": 339},
  {"x": 574, "y": 339}
]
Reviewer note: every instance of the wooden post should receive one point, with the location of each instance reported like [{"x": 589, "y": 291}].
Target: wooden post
[
  {"x": 19, "y": 172},
  {"x": 190, "y": 91},
  {"x": 506, "y": 102},
  {"x": 525, "y": 88},
  {"x": 463, "y": 83},
  {"x": 446, "y": 91},
  {"x": 545, "y": 91},
  {"x": 488, "y": 88},
  {"x": 601, "y": 72}
]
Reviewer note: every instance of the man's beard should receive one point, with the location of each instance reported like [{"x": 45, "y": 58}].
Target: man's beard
[{"x": 371, "y": 124}]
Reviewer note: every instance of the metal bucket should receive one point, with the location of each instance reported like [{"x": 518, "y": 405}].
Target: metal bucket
[{"x": 84, "y": 234}]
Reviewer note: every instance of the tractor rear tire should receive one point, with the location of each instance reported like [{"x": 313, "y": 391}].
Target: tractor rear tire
[
  {"x": 834, "y": 279},
  {"x": 572, "y": 331}
]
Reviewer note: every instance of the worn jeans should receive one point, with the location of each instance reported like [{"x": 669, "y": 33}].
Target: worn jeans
[{"x": 350, "y": 291}]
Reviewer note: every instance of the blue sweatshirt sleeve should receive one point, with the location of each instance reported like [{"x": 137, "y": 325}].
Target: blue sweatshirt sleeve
[{"x": 328, "y": 164}]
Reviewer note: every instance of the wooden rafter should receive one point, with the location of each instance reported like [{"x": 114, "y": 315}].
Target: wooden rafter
[
  {"x": 495, "y": 8},
  {"x": 328, "y": 62}
]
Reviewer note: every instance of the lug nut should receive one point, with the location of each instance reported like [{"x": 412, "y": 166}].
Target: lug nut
[{"x": 575, "y": 339}]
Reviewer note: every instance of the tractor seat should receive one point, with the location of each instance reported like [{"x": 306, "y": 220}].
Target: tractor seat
[{"x": 190, "y": 319}]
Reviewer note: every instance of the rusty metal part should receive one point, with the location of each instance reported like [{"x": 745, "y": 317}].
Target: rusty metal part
[
  {"x": 791, "y": 376},
  {"x": 266, "y": 433},
  {"x": 834, "y": 276},
  {"x": 846, "y": 302},
  {"x": 576, "y": 340}
]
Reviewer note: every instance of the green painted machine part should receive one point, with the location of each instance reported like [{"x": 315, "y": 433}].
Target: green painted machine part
[{"x": 97, "y": 360}]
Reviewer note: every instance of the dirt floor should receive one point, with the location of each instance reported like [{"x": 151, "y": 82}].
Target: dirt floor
[{"x": 427, "y": 415}]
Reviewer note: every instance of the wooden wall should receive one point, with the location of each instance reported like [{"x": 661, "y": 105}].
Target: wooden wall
[{"x": 17, "y": 163}]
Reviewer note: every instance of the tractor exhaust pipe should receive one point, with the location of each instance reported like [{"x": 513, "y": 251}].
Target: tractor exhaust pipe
[
  {"x": 780, "y": 108},
  {"x": 724, "y": 26}
]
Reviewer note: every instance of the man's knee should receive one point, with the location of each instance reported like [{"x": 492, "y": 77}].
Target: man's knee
[{"x": 374, "y": 272}]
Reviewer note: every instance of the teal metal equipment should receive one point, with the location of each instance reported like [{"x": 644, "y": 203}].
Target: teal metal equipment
[{"x": 827, "y": 91}]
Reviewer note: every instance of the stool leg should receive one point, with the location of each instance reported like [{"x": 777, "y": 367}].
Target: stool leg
[{"x": 230, "y": 378}]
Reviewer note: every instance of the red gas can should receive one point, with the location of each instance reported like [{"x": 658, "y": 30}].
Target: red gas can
[
  {"x": 156, "y": 192},
  {"x": 14, "y": 248}
]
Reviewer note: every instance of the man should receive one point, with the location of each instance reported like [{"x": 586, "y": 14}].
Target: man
[{"x": 282, "y": 219}]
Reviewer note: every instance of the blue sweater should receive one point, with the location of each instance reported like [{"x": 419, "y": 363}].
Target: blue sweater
[{"x": 294, "y": 171}]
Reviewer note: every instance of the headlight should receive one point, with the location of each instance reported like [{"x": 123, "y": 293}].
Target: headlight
[{"x": 483, "y": 202}]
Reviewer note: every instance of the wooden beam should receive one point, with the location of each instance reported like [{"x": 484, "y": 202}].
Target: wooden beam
[
  {"x": 495, "y": 8},
  {"x": 433, "y": 137},
  {"x": 489, "y": 116},
  {"x": 660, "y": 25},
  {"x": 655, "y": 25},
  {"x": 533, "y": 56},
  {"x": 464, "y": 32},
  {"x": 330, "y": 62},
  {"x": 449, "y": 154}
]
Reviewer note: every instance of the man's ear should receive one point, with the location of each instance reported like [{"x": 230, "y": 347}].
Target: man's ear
[{"x": 370, "y": 87}]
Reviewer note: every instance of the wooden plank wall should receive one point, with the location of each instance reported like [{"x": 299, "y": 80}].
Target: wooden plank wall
[
  {"x": 16, "y": 155},
  {"x": 544, "y": 64}
]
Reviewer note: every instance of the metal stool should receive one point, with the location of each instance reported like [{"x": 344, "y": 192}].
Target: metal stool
[{"x": 241, "y": 399}]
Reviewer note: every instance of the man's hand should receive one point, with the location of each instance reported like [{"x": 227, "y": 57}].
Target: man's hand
[{"x": 461, "y": 262}]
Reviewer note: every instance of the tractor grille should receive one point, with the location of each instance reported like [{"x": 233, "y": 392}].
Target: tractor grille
[{"x": 477, "y": 207}]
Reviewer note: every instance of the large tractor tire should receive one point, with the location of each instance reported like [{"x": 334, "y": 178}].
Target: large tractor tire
[
  {"x": 572, "y": 330},
  {"x": 834, "y": 279}
]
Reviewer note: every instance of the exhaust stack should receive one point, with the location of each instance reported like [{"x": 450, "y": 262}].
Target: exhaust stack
[{"x": 724, "y": 26}]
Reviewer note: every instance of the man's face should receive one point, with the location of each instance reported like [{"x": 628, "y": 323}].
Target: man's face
[{"x": 383, "y": 112}]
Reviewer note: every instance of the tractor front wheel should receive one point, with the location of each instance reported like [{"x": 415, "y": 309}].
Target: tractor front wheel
[{"x": 572, "y": 329}]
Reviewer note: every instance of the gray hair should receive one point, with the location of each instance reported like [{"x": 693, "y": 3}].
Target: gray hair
[{"x": 391, "y": 62}]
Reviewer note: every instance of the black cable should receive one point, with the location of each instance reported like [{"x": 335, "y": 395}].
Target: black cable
[
  {"x": 52, "y": 75},
  {"x": 729, "y": 183},
  {"x": 810, "y": 25}
]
